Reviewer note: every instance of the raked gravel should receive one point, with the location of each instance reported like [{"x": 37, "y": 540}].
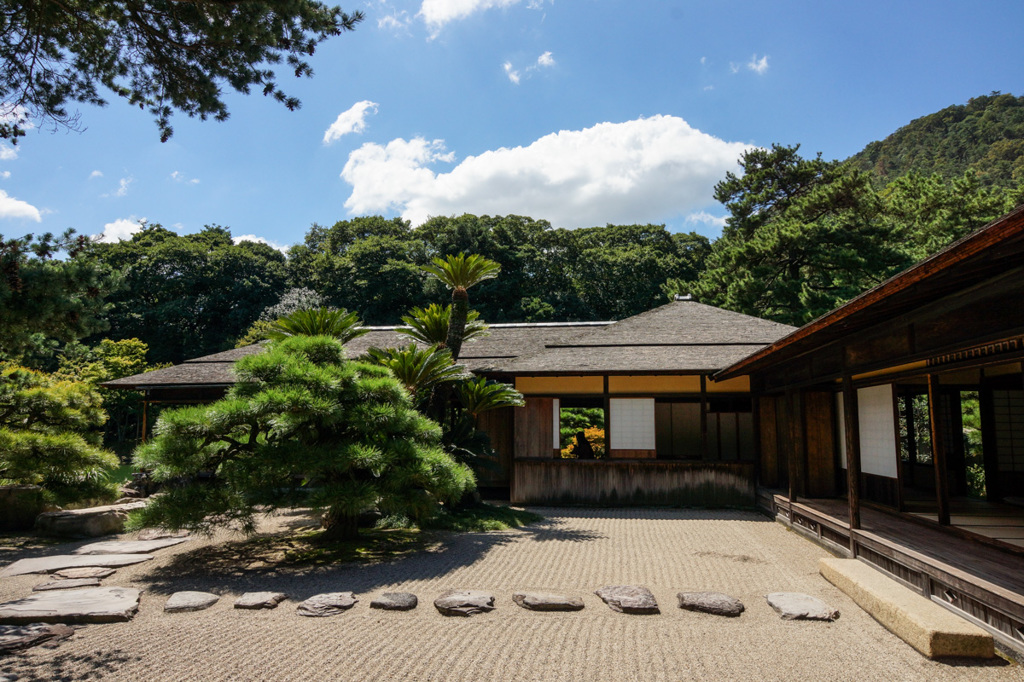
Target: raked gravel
[{"x": 572, "y": 552}]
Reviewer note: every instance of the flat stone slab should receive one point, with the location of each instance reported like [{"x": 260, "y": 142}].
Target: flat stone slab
[
  {"x": 545, "y": 601},
  {"x": 327, "y": 604},
  {"x": 90, "y": 522},
  {"x": 260, "y": 600},
  {"x": 796, "y": 606},
  {"x": 629, "y": 599},
  {"x": 395, "y": 601},
  {"x": 86, "y": 572},
  {"x": 921, "y": 623},
  {"x": 190, "y": 601},
  {"x": 128, "y": 546},
  {"x": 95, "y": 605},
  {"x": 15, "y": 637},
  {"x": 715, "y": 603},
  {"x": 49, "y": 564},
  {"x": 161, "y": 533},
  {"x": 67, "y": 584},
  {"x": 464, "y": 602}
]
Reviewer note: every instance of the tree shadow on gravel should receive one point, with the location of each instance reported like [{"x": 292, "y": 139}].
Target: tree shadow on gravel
[
  {"x": 65, "y": 667},
  {"x": 288, "y": 562}
]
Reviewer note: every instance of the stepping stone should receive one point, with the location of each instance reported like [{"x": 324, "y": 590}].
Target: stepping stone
[
  {"x": 629, "y": 599},
  {"x": 711, "y": 602},
  {"x": 49, "y": 564},
  {"x": 543, "y": 601},
  {"x": 15, "y": 637},
  {"x": 91, "y": 522},
  {"x": 464, "y": 602},
  {"x": 395, "y": 601},
  {"x": 190, "y": 601},
  {"x": 128, "y": 546},
  {"x": 260, "y": 600},
  {"x": 328, "y": 604},
  {"x": 87, "y": 572},
  {"x": 160, "y": 534},
  {"x": 796, "y": 606},
  {"x": 67, "y": 584},
  {"x": 95, "y": 605}
]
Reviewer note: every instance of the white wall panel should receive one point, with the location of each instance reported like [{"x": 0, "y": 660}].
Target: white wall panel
[
  {"x": 632, "y": 423},
  {"x": 878, "y": 454}
]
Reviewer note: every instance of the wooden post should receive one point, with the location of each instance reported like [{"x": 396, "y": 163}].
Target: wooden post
[
  {"x": 939, "y": 450},
  {"x": 607, "y": 421},
  {"x": 793, "y": 424},
  {"x": 145, "y": 415},
  {"x": 703, "y": 417},
  {"x": 851, "y": 420}
]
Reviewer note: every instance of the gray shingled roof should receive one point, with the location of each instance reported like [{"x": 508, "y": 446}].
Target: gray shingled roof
[
  {"x": 682, "y": 336},
  {"x": 491, "y": 354}
]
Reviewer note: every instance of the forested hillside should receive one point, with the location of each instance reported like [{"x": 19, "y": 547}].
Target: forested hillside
[{"x": 985, "y": 136}]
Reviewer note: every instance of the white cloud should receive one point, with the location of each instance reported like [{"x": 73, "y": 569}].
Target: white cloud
[
  {"x": 709, "y": 87},
  {"x": 120, "y": 230},
  {"x": 645, "y": 170},
  {"x": 396, "y": 21},
  {"x": 178, "y": 176},
  {"x": 8, "y": 152},
  {"x": 758, "y": 66},
  {"x": 705, "y": 218},
  {"x": 703, "y": 61},
  {"x": 96, "y": 174},
  {"x": 352, "y": 120},
  {"x": 437, "y": 13},
  {"x": 122, "y": 188},
  {"x": 546, "y": 59},
  {"x": 18, "y": 209},
  {"x": 512, "y": 74},
  {"x": 734, "y": 67},
  {"x": 5, "y": 175},
  {"x": 260, "y": 240}
]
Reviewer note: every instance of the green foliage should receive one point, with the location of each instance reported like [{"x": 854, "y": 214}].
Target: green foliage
[
  {"x": 572, "y": 420},
  {"x": 49, "y": 435},
  {"x": 984, "y": 137},
  {"x": 302, "y": 427},
  {"x": 479, "y": 518},
  {"x": 419, "y": 369},
  {"x": 429, "y": 325},
  {"x": 459, "y": 273},
  {"x": 339, "y": 324},
  {"x": 188, "y": 296},
  {"x": 258, "y": 331},
  {"x": 44, "y": 297},
  {"x": 163, "y": 56},
  {"x": 478, "y": 395}
]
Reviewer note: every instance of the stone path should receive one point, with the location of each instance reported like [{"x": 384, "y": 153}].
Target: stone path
[{"x": 564, "y": 558}]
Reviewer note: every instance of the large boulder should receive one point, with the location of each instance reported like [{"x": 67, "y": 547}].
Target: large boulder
[
  {"x": 95, "y": 605},
  {"x": 711, "y": 602},
  {"x": 91, "y": 522},
  {"x": 464, "y": 602},
  {"x": 629, "y": 599},
  {"x": 19, "y": 506}
]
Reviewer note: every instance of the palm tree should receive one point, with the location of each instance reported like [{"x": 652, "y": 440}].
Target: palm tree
[
  {"x": 430, "y": 325},
  {"x": 459, "y": 273},
  {"x": 479, "y": 395},
  {"x": 341, "y": 324},
  {"x": 419, "y": 369}
]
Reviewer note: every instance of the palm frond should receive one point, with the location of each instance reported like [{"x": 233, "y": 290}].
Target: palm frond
[{"x": 341, "y": 324}]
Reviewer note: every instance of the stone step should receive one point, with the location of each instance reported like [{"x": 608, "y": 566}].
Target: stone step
[{"x": 924, "y": 625}]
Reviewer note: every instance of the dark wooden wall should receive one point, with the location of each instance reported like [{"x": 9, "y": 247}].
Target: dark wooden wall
[
  {"x": 811, "y": 438},
  {"x": 499, "y": 427},
  {"x": 534, "y": 428},
  {"x": 769, "y": 465}
]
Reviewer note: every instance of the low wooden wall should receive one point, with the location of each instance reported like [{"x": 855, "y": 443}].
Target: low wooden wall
[{"x": 635, "y": 482}]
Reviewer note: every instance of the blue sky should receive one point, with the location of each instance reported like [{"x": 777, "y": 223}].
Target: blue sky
[{"x": 581, "y": 112}]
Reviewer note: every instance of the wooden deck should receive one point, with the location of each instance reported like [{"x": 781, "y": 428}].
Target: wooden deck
[
  {"x": 1000, "y": 524},
  {"x": 979, "y": 581}
]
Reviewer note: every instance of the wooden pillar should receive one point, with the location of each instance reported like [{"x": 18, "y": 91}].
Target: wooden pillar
[
  {"x": 940, "y": 449},
  {"x": 794, "y": 431},
  {"x": 851, "y": 421},
  {"x": 145, "y": 418},
  {"x": 607, "y": 420},
  {"x": 704, "y": 417}
]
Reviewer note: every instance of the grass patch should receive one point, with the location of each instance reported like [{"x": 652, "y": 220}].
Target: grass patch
[
  {"x": 121, "y": 474},
  {"x": 476, "y": 519}
]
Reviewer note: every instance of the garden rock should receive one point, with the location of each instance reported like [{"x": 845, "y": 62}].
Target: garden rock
[
  {"x": 128, "y": 546},
  {"x": 91, "y": 522},
  {"x": 629, "y": 599},
  {"x": 49, "y": 564},
  {"x": 395, "y": 601},
  {"x": 86, "y": 572},
  {"x": 190, "y": 601},
  {"x": 15, "y": 637},
  {"x": 260, "y": 600},
  {"x": 19, "y": 506},
  {"x": 543, "y": 601},
  {"x": 161, "y": 534},
  {"x": 67, "y": 584},
  {"x": 328, "y": 604},
  {"x": 464, "y": 602},
  {"x": 95, "y": 605},
  {"x": 796, "y": 606},
  {"x": 711, "y": 602}
]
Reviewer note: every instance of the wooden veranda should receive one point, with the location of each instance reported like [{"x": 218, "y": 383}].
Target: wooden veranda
[{"x": 977, "y": 580}]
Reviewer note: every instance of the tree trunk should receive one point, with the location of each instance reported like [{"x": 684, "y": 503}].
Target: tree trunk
[
  {"x": 340, "y": 526},
  {"x": 457, "y": 321}
]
